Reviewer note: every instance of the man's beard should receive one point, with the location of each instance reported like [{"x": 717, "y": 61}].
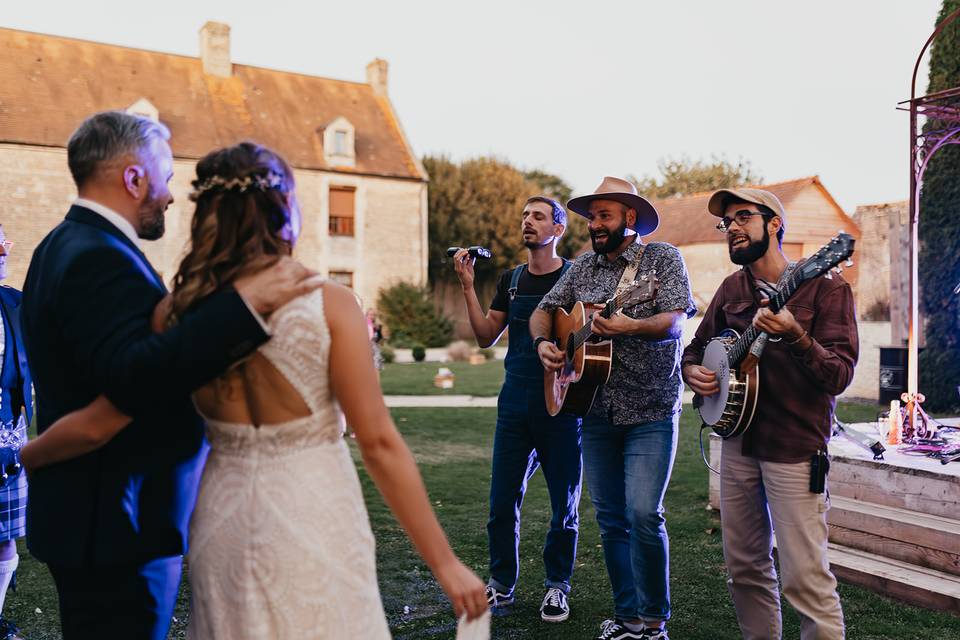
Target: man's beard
[
  {"x": 753, "y": 251},
  {"x": 151, "y": 216},
  {"x": 613, "y": 241},
  {"x": 534, "y": 241}
]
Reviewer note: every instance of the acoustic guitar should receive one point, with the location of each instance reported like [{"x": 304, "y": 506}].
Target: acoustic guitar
[
  {"x": 587, "y": 360},
  {"x": 734, "y": 358}
]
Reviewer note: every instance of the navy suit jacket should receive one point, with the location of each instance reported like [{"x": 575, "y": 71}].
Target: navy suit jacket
[
  {"x": 87, "y": 304},
  {"x": 15, "y": 390}
]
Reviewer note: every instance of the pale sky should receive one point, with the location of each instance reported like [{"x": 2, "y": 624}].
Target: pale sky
[{"x": 586, "y": 89}]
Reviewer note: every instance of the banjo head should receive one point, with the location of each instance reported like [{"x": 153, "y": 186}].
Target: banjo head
[{"x": 715, "y": 359}]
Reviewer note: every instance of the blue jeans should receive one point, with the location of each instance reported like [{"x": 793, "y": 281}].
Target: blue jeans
[
  {"x": 528, "y": 437},
  {"x": 627, "y": 470}
]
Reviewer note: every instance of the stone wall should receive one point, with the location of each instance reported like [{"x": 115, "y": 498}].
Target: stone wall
[
  {"x": 884, "y": 253},
  {"x": 391, "y": 215}
]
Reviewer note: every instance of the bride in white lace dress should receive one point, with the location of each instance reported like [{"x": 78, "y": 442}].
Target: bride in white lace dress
[{"x": 280, "y": 541}]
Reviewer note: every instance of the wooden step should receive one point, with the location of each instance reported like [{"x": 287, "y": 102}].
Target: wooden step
[
  {"x": 919, "y": 586},
  {"x": 916, "y": 538}
]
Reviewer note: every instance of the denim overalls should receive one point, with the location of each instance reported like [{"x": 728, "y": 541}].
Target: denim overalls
[{"x": 528, "y": 437}]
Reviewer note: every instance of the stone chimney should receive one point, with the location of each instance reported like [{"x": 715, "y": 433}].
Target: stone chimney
[
  {"x": 377, "y": 76},
  {"x": 215, "y": 49}
]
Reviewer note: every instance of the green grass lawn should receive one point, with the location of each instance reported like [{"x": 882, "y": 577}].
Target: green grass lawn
[
  {"x": 452, "y": 447},
  {"x": 416, "y": 378}
]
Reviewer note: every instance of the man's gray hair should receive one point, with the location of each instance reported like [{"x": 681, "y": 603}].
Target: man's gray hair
[{"x": 106, "y": 136}]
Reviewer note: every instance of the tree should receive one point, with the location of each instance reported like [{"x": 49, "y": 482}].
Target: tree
[
  {"x": 939, "y": 261},
  {"x": 682, "y": 176},
  {"x": 479, "y": 202}
]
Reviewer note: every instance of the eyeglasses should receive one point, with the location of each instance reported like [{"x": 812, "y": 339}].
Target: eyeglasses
[{"x": 741, "y": 217}]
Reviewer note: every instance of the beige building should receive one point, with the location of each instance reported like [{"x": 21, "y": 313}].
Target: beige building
[
  {"x": 361, "y": 188},
  {"x": 885, "y": 255},
  {"x": 813, "y": 218}
]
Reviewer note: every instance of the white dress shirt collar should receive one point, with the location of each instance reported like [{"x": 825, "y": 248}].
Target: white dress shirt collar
[{"x": 112, "y": 217}]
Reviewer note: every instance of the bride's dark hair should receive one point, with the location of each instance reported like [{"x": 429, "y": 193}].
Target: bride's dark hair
[{"x": 244, "y": 221}]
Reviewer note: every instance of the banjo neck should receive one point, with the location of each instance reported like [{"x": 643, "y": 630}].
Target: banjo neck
[{"x": 739, "y": 349}]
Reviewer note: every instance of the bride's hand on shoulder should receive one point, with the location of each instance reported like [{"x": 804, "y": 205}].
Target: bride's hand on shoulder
[{"x": 466, "y": 591}]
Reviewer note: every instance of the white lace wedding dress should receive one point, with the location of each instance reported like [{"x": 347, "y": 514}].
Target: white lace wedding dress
[{"x": 280, "y": 541}]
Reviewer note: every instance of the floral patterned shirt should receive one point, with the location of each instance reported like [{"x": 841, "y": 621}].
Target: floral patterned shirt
[{"x": 645, "y": 384}]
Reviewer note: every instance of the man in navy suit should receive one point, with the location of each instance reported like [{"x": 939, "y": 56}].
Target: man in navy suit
[
  {"x": 112, "y": 525},
  {"x": 15, "y": 397}
]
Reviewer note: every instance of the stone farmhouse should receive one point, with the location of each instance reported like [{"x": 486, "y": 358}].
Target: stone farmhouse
[{"x": 361, "y": 188}]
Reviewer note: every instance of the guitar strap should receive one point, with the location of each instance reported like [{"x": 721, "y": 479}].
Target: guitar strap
[{"x": 630, "y": 273}]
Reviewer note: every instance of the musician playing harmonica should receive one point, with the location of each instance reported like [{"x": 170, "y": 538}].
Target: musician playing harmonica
[
  {"x": 772, "y": 470},
  {"x": 630, "y": 434},
  {"x": 527, "y": 437}
]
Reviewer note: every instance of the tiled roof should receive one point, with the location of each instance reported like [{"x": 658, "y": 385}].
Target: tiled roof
[{"x": 51, "y": 83}]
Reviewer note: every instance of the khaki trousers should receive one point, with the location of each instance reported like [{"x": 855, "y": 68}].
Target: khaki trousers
[{"x": 752, "y": 492}]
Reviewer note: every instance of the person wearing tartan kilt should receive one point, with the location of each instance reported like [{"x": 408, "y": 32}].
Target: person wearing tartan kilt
[{"x": 15, "y": 396}]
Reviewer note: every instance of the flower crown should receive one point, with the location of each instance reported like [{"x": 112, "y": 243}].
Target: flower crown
[{"x": 255, "y": 181}]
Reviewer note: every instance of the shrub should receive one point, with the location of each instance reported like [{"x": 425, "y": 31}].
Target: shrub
[
  {"x": 459, "y": 351},
  {"x": 419, "y": 352},
  {"x": 389, "y": 355},
  {"x": 409, "y": 314}
]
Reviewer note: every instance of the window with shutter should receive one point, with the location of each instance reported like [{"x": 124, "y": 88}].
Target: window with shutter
[{"x": 341, "y": 211}]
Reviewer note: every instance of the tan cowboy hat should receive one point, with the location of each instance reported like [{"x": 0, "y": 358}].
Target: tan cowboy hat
[
  {"x": 718, "y": 202},
  {"x": 624, "y": 192}
]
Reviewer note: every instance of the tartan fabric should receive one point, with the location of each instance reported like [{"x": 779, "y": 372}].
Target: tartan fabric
[{"x": 13, "y": 502}]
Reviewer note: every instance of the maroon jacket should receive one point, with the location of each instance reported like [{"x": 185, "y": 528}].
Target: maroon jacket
[{"x": 797, "y": 388}]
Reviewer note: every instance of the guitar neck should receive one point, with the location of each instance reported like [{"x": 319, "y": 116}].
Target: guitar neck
[
  {"x": 739, "y": 350},
  {"x": 613, "y": 305}
]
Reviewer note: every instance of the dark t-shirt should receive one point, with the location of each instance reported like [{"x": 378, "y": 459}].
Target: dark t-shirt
[{"x": 529, "y": 285}]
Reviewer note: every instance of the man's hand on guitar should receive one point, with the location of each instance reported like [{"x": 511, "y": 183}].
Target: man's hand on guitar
[
  {"x": 701, "y": 380},
  {"x": 551, "y": 356},
  {"x": 781, "y": 323},
  {"x": 463, "y": 265},
  {"x": 616, "y": 325}
]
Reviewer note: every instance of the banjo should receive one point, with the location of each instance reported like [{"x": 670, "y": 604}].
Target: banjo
[{"x": 733, "y": 357}]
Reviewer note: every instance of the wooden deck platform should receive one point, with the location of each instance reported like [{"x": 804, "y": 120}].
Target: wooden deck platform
[{"x": 894, "y": 523}]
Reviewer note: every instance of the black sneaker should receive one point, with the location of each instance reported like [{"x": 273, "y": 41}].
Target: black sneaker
[
  {"x": 554, "y": 607},
  {"x": 659, "y": 633},
  {"x": 614, "y": 630},
  {"x": 498, "y": 602}
]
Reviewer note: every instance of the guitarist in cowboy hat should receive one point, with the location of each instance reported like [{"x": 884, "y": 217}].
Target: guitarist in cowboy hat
[
  {"x": 630, "y": 433},
  {"x": 768, "y": 473}
]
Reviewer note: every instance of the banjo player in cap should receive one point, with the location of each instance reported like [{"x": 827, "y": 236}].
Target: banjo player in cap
[{"x": 767, "y": 474}]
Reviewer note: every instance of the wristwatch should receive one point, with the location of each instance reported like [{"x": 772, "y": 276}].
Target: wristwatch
[{"x": 538, "y": 340}]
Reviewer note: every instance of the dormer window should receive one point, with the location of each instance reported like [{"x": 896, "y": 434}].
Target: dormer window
[{"x": 339, "y": 143}]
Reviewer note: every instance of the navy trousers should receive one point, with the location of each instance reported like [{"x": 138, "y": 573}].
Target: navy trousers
[
  {"x": 527, "y": 438},
  {"x": 133, "y": 602}
]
